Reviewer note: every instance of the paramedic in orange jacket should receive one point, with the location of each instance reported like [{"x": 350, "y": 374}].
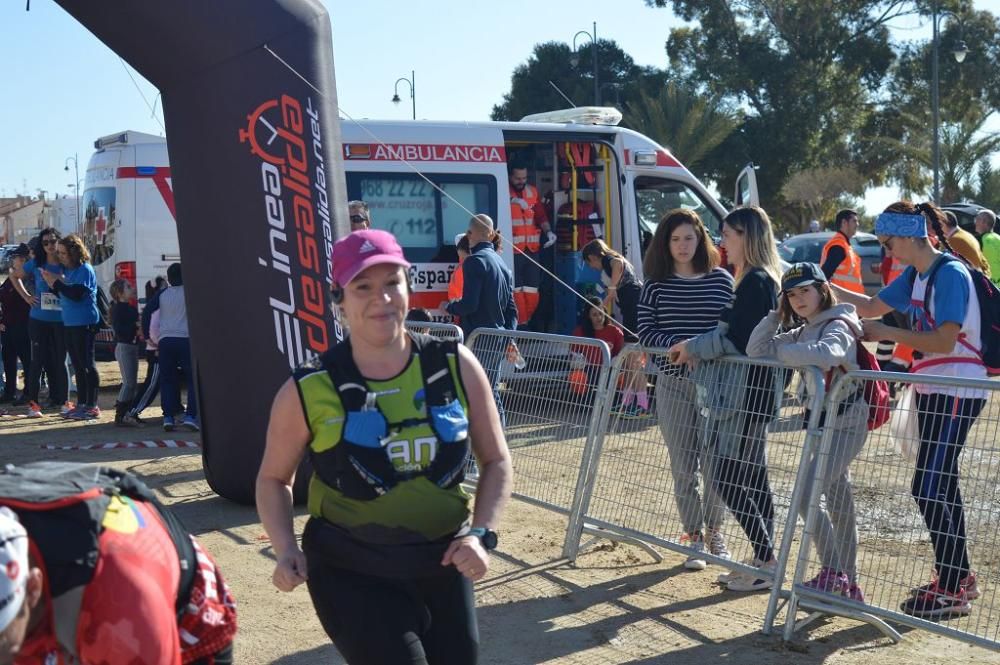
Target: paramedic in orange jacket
[
  {"x": 840, "y": 263},
  {"x": 527, "y": 214}
]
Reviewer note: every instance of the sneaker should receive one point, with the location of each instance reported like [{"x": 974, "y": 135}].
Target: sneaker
[
  {"x": 829, "y": 580},
  {"x": 91, "y": 412},
  {"x": 969, "y": 584},
  {"x": 937, "y": 603},
  {"x": 853, "y": 592},
  {"x": 66, "y": 408},
  {"x": 696, "y": 542},
  {"x": 34, "y": 409},
  {"x": 168, "y": 424},
  {"x": 717, "y": 544},
  {"x": 727, "y": 577},
  {"x": 129, "y": 421},
  {"x": 760, "y": 581},
  {"x": 190, "y": 423}
]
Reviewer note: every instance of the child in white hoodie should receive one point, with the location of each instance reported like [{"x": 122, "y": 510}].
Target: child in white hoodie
[{"x": 828, "y": 340}]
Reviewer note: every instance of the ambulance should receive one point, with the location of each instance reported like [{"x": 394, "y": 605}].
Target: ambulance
[
  {"x": 421, "y": 179},
  {"x": 129, "y": 223}
]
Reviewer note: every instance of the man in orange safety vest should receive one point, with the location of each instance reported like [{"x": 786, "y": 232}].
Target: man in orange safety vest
[
  {"x": 840, "y": 263},
  {"x": 527, "y": 215}
]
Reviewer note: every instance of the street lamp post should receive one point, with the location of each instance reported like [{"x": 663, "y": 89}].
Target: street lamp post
[
  {"x": 76, "y": 173},
  {"x": 575, "y": 59},
  {"x": 413, "y": 91},
  {"x": 959, "y": 51}
]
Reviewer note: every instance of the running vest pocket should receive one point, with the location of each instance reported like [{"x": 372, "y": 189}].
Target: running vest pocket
[
  {"x": 366, "y": 428},
  {"x": 449, "y": 422}
]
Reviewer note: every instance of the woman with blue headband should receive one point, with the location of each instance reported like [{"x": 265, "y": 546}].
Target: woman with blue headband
[{"x": 945, "y": 333}]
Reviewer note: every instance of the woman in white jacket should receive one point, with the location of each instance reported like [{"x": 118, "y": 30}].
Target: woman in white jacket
[{"x": 827, "y": 338}]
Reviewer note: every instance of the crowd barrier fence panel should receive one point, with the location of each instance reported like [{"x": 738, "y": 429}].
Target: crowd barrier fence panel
[
  {"x": 895, "y": 543},
  {"x": 637, "y": 486},
  {"x": 447, "y": 331},
  {"x": 547, "y": 387}
]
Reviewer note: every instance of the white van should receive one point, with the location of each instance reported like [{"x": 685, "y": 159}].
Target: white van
[
  {"x": 129, "y": 223},
  {"x": 621, "y": 182}
]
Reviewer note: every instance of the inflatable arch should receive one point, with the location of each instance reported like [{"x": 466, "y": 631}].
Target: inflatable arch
[{"x": 249, "y": 102}]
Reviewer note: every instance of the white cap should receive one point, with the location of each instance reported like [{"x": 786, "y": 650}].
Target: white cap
[{"x": 13, "y": 566}]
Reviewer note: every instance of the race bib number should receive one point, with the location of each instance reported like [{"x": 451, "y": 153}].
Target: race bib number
[{"x": 50, "y": 301}]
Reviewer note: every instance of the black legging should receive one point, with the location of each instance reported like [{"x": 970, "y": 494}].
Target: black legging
[
  {"x": 80, "y": 345},
  {"x": 628, "y": 303},
  {"x": 48, "y": 352},
  {"x": 744, "y": 485},
  {"x": 944, "y": 424},
  {"x": 16, "y": 346},
  {"x": 383, "y": 621}
]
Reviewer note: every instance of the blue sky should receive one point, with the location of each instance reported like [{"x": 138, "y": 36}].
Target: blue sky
[{"x": 64, "y": 88}]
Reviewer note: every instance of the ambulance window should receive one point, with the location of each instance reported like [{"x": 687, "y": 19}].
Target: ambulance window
[
  {"x": 99, "y": 223},
  {"x": 424, "y": 221},
  {"x": 455, "y": 219},
  {"x": 655, "y": 196}
]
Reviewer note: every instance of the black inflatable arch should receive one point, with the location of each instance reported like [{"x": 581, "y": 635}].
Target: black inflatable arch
[{"x": 259, "y": 190}]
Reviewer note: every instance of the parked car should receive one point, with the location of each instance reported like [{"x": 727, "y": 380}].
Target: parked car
[
  {"x": 808, "y": 247},
  {"x": 966, "y": 213}
]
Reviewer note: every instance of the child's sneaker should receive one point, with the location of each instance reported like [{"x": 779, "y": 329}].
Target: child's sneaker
[
  {"x": 91, "y": 412},
  {"x": 728, "y": 576},
  {"x": 936, "y": 603},
  {"x": 168, "y": 424},
  {"x": 759, "y": 581},
  {"x": 717, "y": 544},
  {"x": 853, "y": 592},
  {"x": 969, "y": 584},
  {"x": 66, "y": 408},
  {"x": 129, "y": 420},
  {"x": 190, "y": 423},
  {"x": 34, "y": 410},
  {"x": 828, "y": 580},
  {"x": 696, "y": 542}
]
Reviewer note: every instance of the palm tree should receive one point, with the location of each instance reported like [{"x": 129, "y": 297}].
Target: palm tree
[{"x": 691, "y": 126}]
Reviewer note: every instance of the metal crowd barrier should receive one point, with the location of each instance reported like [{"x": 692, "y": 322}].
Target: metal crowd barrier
[
  {"x": 642, "y": 487},
  {"x": 910, "y": 499},
  {"x": 448, "y": 331},
  {"x": 546, "y": 388}
]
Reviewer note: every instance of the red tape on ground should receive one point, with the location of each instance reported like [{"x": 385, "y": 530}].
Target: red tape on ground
[{"x": 168, "y": 443}]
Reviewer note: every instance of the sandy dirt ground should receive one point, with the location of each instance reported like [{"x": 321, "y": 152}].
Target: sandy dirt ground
[{"x": 613, "y": 606}]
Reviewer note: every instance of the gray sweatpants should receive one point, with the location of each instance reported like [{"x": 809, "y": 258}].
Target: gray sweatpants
[
  {"x": 127, "y": 356},
  {"x": 677, "y": 413},
  {"x": 836, "y": 533}
]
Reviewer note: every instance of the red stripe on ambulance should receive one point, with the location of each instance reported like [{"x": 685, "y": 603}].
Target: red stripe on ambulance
[{"x": 424, "y": 152}]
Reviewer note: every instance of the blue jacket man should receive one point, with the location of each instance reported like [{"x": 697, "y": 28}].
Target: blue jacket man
[{"x": 488, "y": 292}]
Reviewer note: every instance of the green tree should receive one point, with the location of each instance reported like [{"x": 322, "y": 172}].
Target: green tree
[
  {"x": 804, "y": 71},
  {"x": 987, "y": 191},
  {"x": 690, "y": 125},
  {"x": 531, "y": 91}
]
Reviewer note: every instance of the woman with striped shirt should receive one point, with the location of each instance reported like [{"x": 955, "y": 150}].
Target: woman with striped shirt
[{"x": 684, "y": 295}]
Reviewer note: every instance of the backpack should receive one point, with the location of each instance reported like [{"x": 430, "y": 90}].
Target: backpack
[
  {"x": 876, "y": 393},
  {"x": 62, "y": 506},
  {"x": 989, "y": 310}
]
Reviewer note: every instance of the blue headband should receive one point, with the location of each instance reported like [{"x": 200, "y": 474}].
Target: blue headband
[{"x": 900, "y": 224}]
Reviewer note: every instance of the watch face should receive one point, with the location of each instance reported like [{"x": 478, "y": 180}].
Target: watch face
[{"x": 489, "y": 540}]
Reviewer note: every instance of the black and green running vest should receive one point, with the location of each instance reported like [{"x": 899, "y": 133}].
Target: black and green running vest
[{"x": 388, "y": 456}]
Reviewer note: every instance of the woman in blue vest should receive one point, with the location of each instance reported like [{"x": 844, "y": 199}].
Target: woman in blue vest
[
  {"x": 45, "y": 327},
  {"x": 391, "y": 549}
]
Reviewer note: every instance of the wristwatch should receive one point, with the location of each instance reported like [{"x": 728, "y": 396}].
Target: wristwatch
[{"x": 488, "y": 537}]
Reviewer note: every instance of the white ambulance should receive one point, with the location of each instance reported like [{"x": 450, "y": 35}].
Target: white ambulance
[
  {"x": 129, "y": 223},
  {"x": 598, "y": 180}
]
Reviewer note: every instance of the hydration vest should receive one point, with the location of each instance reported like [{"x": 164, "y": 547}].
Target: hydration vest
[{"x": 359, "y": 465}]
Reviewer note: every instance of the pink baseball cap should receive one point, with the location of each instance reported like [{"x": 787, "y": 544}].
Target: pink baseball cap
[{"x": 362, "y": 249}]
